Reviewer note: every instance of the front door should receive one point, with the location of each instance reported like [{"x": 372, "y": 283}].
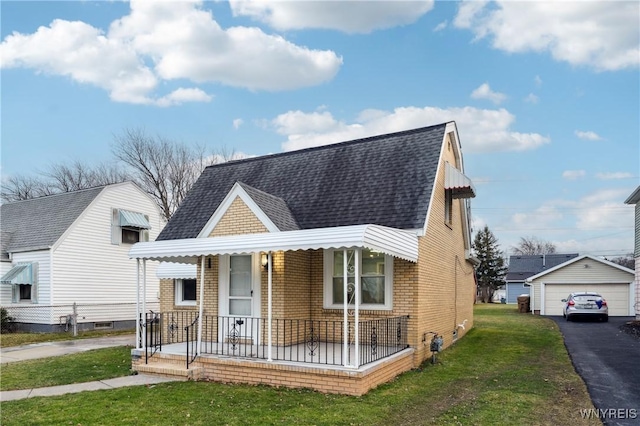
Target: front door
[{"x": 240, "y": 299}]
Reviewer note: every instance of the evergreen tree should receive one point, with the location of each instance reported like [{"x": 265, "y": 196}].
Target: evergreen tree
[{"x": 492, "y": 269}]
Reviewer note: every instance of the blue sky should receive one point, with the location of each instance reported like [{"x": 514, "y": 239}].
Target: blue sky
[{"x": 546, "y": 95}]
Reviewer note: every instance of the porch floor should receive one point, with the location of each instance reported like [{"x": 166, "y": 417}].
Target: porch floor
[{"x": 325, "y": 354}]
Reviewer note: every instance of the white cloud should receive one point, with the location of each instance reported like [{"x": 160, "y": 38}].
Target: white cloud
[
  {"x": 441, "y": 26},
  {"x": 346, "y": 16},
  {"x": 601, "y": 35},
  {"x": 573, "y": 174},
  {"x": 603, "y": 209},
  {"x": 237, "y": 123},
  {"x": 588, "y": 136},
  {"x": 538, "y": 81},
  {"x": 614, "y": 175},
  {"x": 481, "y": 130},
  {"x": 181, "y": 95},
  {"x": 167, "y": 41},
  {"x": 532, "y": 99},
  {"x": 484, "y": 92}
]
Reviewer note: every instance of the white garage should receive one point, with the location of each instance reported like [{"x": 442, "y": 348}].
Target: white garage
[{"x": 584, "y": 273}]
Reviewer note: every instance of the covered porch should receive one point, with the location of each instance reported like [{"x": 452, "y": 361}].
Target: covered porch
[{"x": 343, "y": 340}]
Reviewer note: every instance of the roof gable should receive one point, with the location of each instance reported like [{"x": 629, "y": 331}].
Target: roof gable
[
  {"x": 262, "y": 205},
  {"x": 384, "y": 180},
  {"x": 37, "y": 224},
  {"x": 578, "y": 259},
  {"x": 522, "y": 267}
]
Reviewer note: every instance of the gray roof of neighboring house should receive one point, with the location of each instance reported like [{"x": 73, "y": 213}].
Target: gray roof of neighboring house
[
  {"x": 522, "y": 267},
  {"x": 38, "y": 223},
  {"x": 383, "y": 180}
]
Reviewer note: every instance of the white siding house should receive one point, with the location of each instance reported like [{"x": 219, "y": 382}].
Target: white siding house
[
  {"x": 634, "y": 199},
  {"x": 75, "y": 249}
]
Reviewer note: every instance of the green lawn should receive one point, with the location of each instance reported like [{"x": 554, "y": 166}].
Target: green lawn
[
  {"x": 86, "y": 366},
  {"x": 18, "y": 339},
  {"x": 510, "y": 369}
]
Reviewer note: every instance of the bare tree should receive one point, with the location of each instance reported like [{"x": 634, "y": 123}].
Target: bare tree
[
  {"x": 20, "y": 187},
  {"x": 627, "y": 261},
  {"x": 77, "y": 175},
  {"x": 59, "y": 178},
  {"x": 166, "y": 169},
  {"x": 533, "y": 245}
]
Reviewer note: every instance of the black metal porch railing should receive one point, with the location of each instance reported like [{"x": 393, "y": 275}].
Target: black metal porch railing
[
  {"x": 301, "y": 340},
  {"x": 153, "y": 329},
  {"x": 296, "y": 340},
  {"x": 192, "y": 341}
]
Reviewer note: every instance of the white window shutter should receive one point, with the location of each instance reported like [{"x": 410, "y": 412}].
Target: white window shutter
[
  {"x": 145, "y": 235},
  {"x": 15, "y": 293},
  {"x": 116, "y": 231}
]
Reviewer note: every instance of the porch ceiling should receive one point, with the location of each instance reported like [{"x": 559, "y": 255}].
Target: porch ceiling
[{"x": 395, "y": 242}]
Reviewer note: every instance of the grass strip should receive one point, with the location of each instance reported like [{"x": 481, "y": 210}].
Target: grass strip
[
  {"x": 19, "y": 339},
  {"x": 81, "y": 367}
]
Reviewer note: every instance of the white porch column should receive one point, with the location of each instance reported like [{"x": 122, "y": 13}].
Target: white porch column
[
  {"x": 199, "y": 342},
  {"x": 356, "y": 362},
  {"x": 144, "y": 302},
  {"x": 269, "y": 303},
  {"x": 138, "y": 304},
  {"x": 345, "y": 306}
]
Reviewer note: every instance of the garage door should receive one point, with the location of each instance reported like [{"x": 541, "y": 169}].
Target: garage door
[{"x": 616, "y": 295}]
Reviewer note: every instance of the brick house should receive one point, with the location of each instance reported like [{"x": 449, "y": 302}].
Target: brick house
[{"x": 274, "y": 239}]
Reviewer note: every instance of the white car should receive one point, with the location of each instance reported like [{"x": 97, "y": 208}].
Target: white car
[{"x": 587, "y": 305}]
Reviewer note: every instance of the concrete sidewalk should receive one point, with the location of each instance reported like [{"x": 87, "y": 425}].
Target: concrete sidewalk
[
  {"x": 118, "y": 382},
  {"x": 63, "y": 347}
]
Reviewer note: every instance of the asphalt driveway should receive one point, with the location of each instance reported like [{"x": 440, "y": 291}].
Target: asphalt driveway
[{"x": 608, "y": 360}]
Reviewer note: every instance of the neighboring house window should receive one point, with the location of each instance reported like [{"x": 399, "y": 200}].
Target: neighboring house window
[
  {"x": 24, "y": 292},
  {"x": 130, "y": 236},
  {"x": 23, "y": 278},
  {"x": 128, "y": 227},
  {"x": 448, "y": 207},
  {"x": 376, "y": 279},
  {"x": 185, "y": 292}
]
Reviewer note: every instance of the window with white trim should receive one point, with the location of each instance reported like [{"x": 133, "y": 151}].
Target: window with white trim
[
  {"x": 185, "y": 292},
  {"x": 128, "y": 227},
  {"x": 376, "y": 279}
]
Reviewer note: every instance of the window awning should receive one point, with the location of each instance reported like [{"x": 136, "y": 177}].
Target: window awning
[
  {"x": 391, "y": 241},
  {"x": 459, "y": 184},
  {"x": 171, "y": 270},
  {"x": 22, "y": 273},
  {"x": 133, "y": 220}
]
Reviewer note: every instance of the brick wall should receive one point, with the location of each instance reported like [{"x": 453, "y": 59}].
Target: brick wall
[
  {"x": 446, "y": 287},
  {"x": 323, "y": 379},
  {"x": 238, "y": 219}
]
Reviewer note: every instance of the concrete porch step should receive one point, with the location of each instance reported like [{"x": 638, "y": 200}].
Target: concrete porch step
[{"x": 171, "y": 370}]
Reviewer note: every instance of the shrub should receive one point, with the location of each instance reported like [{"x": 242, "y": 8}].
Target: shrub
[{"x": 6, "y": 321}]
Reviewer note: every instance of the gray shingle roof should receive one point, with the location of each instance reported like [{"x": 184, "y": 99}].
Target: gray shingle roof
[
  {"x": 274, "y": 207},
  {"x": 525, "y": 266},
  {"x": 383, "y": 180},
  {"x": 38, "y": 223}
]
